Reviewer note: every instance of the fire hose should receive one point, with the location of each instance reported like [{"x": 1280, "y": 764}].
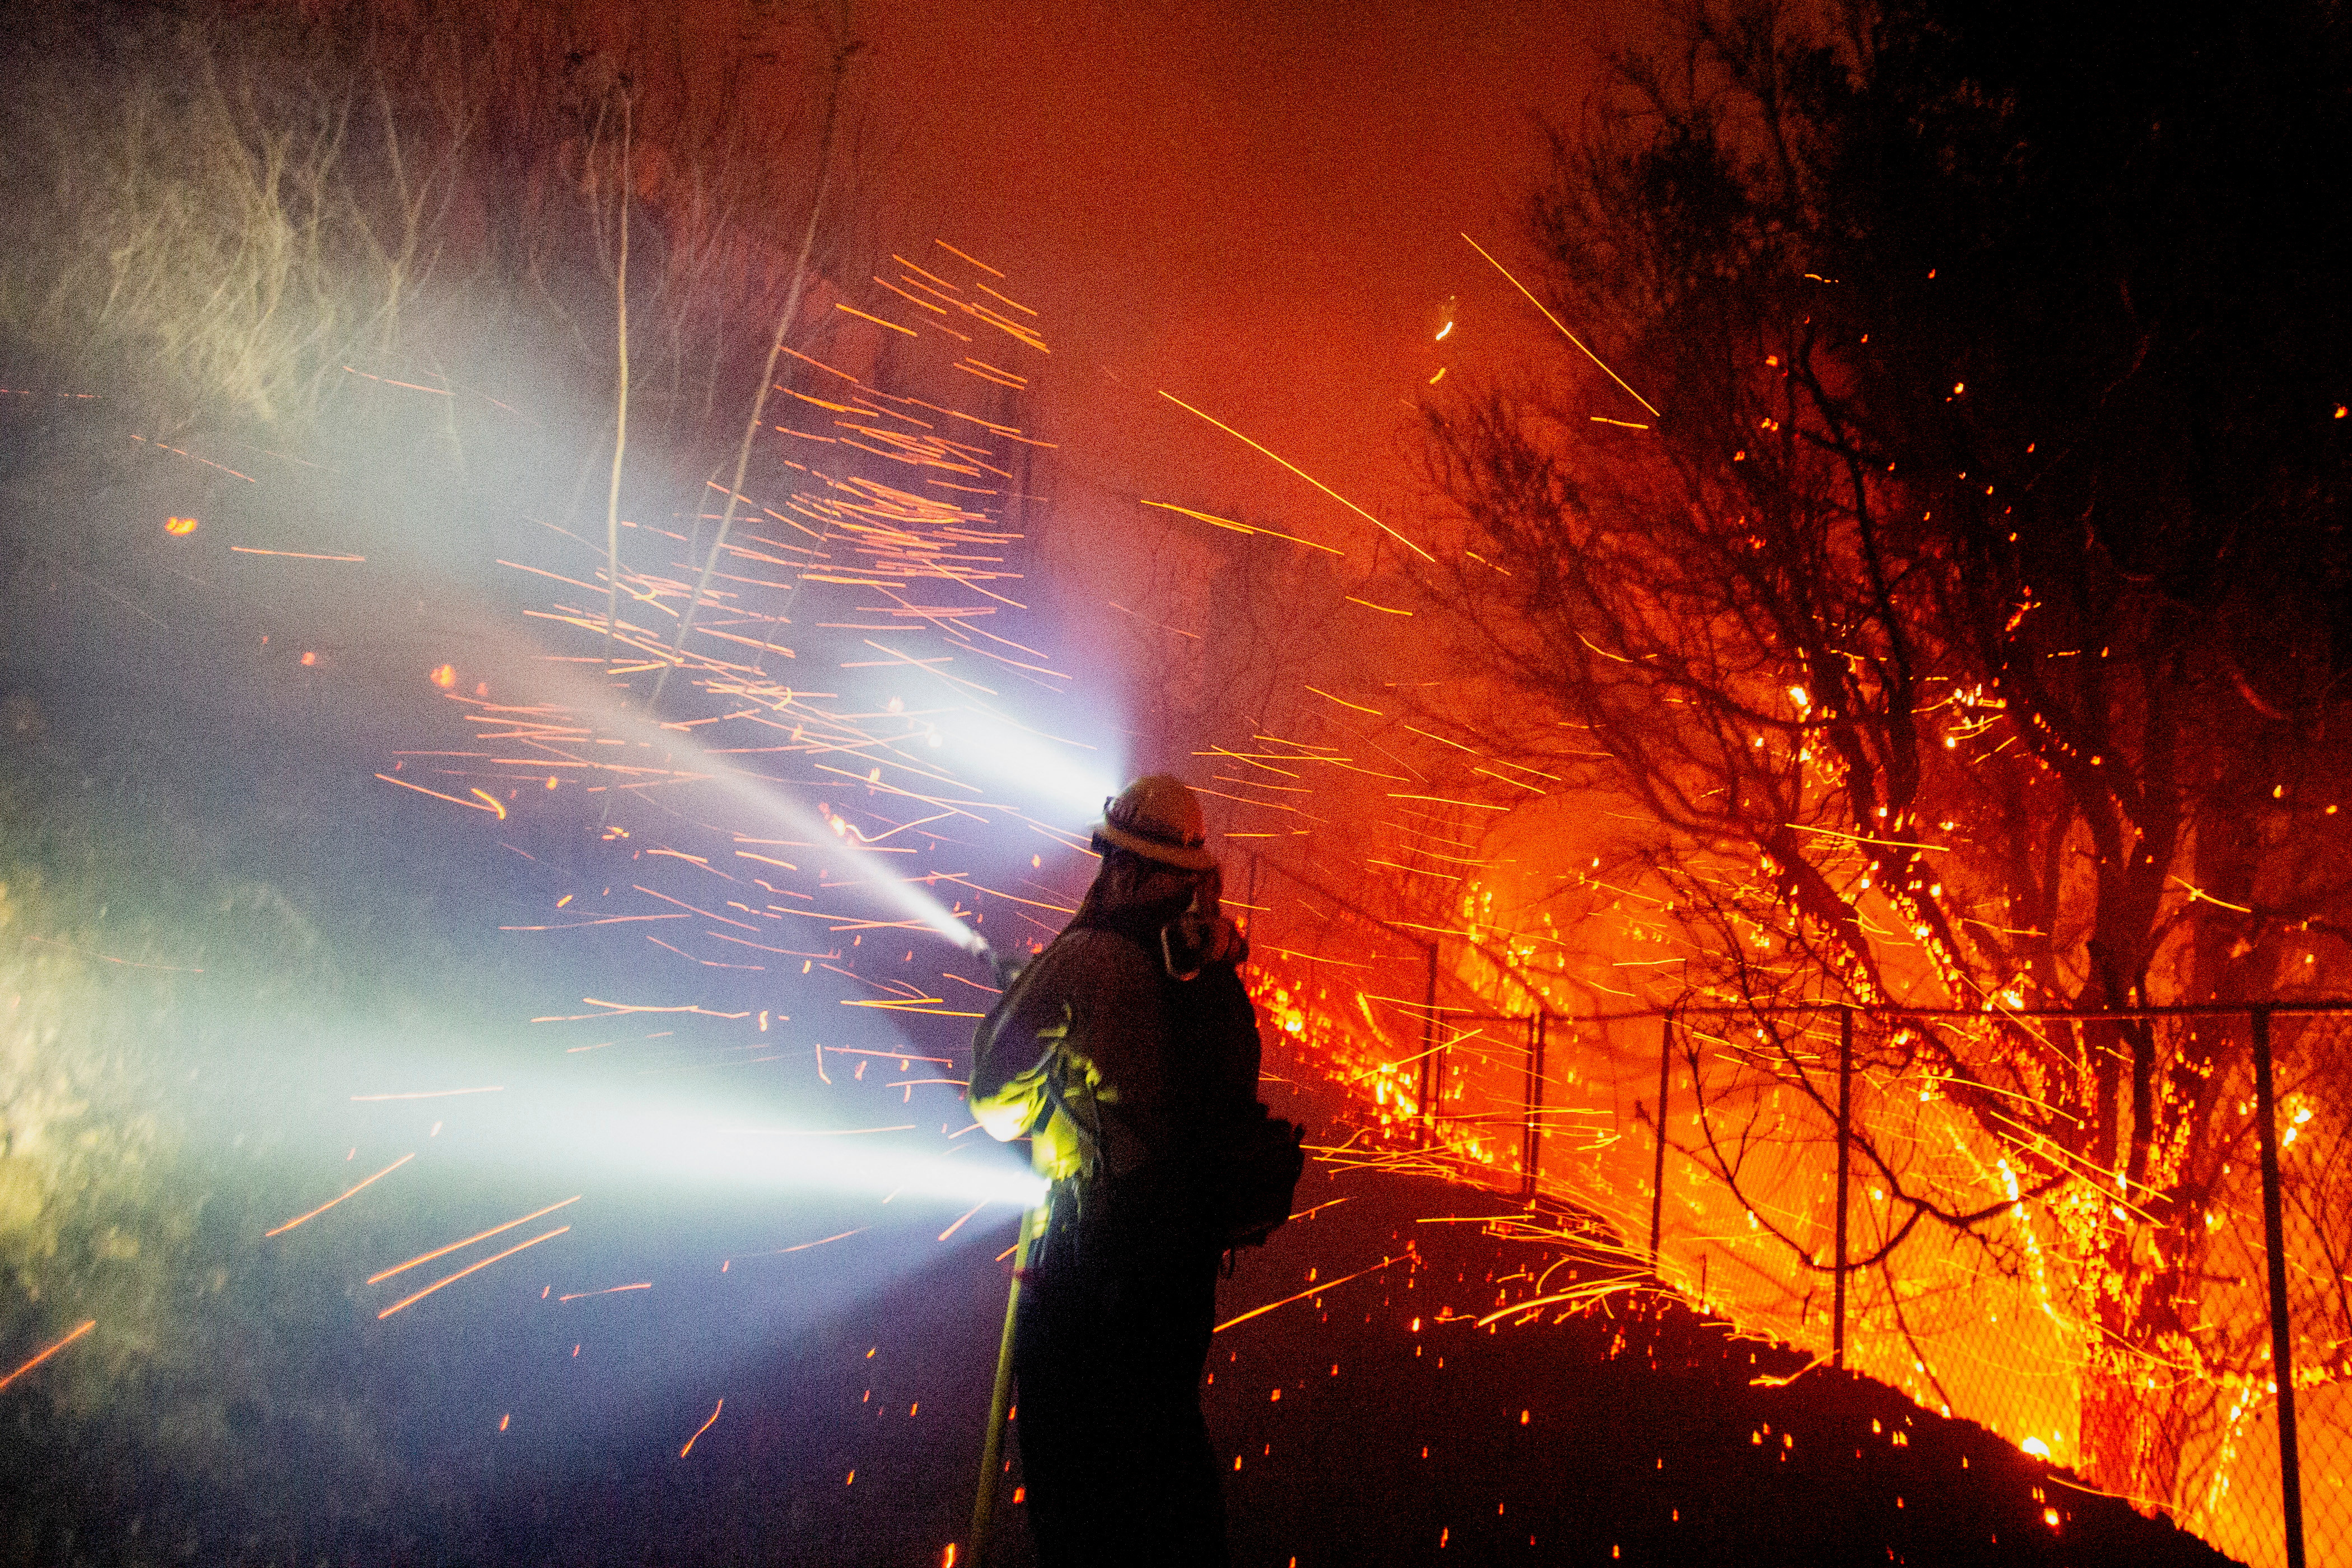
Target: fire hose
[{"x": 1000, "y": 1405}]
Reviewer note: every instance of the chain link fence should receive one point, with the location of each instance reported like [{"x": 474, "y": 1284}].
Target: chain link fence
[
  {"x": 1952, "y": 1278},
  {"x": 1420, "y": 1068},
  {"x": 1361, "y": 1027},
  {"x": 1915, "y": 1247}
]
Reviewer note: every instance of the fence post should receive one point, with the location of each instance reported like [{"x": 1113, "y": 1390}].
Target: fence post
[
  {"x": 2274, "y": 1250},
  {"x": 1658, "y": 1169},
  {"x": 1532, "y": 1150},
  {"x": 1433, "y": 1082},
  {"x": 1845, "y": 1171}
]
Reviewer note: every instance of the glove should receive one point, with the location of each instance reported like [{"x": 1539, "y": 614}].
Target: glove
[{"x": 1191, "y": 943}]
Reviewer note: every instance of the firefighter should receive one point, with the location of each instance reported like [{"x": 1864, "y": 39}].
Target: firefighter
[{"x": 1128, "y": 1052}]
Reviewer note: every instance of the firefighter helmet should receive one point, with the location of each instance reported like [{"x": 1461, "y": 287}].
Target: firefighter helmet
[{"x": 1159, "y": 818}]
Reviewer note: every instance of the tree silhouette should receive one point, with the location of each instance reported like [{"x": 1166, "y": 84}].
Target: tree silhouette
[{"x": 1969, "y": 629}]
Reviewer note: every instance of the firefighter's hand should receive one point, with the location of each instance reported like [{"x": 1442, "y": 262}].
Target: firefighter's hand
[
  {"x": 1223, "y": 943},
  {"x": 1193, "y": 941}
]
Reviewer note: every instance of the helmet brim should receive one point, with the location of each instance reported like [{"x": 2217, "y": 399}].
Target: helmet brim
[{"x": 1184, "y": 857}]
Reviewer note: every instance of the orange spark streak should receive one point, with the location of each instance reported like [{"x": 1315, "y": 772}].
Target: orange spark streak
[
  {"x": 338, "y": 1197},
  {"x": 2197, "y": 894},
  {"x": 913, "y": 1007},
  {"x": 435, "y": 1093},
  {"x": 453, "y": 1278},
  {"x": 706, "y": 963},
  {"x": 971, "y": 367},
  {"x": 1865, "y": 838},
  {"x": 1303, "y": 474},
  {"x": 876, "y": 320},
  {"x": 1310, "y": 1291},
  {"x": 1015, "y": 377},
  {"x": 607, "y": 920},
  {"x": 621, "y": 1007},
  {"x": 963, "y": 879},
  {"x": 974, "y": 260},
  {"x": 178, "y": 452},
  {"x": 851, "y": 922},
  {"x": 952, "y": 1229},
  {"x": 901, "y": 1055},
  {"x": 787, "y": 952},
  {"x": 1580, "y": 1293},
  {"x": 1768, "y": 1380},
  {"x": 44, "y": 1355},
  {"x": 292, "y": 554},
  {"x": 1343, "y": 702},
  {"x": 454, "y": 801},
  {"x": 1564, "y": 332},
  {"x": 1269, "y": 805},
  {"x": 607, "y": 1290},
  {"x": 702, "y": 861},
  {"x": 933, "y": 277},
  {"x": 1315, "y": 957},
  {"x": 902, "y": 293},
  {"x": 1148, "y": 621},
  {"x": 105, "y": 959},
  {"x": 804, "y": 1246},
  {"x": 1443, "y": 800},
  {"x": 698, "y": 1431},
  {"x": 478, "y": 1236},
  {"x": 539, "y": 572},
  {"x": 411, "y": 386},
  {"x": 1228, "y": 523},
  {"x": 984, "y": 289}
]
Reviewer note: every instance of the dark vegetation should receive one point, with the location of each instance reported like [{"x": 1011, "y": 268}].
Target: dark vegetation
[{"x": 224, "y": 213}]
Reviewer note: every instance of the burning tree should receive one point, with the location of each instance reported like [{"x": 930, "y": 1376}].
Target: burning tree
[{"x": 1954, "y": 584}]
